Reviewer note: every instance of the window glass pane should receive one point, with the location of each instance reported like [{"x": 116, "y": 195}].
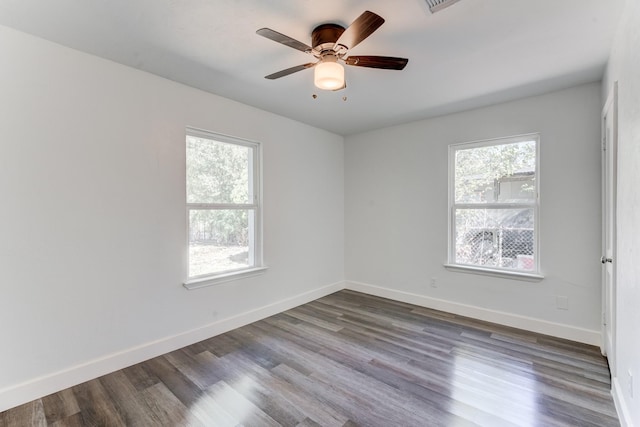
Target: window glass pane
[
  {"x": 503, "y": 173},
  {"x": 218, "y": 172},
  {"x": 495, "y": 238},
  {"x": 220, "y": 240}
]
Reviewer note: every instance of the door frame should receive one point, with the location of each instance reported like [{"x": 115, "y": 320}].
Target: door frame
[{"x": 609, "y": 175}]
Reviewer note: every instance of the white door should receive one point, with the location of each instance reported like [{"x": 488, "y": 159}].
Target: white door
[{"x": 609, "y": 168}]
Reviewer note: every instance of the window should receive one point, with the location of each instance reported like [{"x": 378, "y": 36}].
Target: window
[
  {"x": 223, "y": 207},
  {"x": 493, "y": 205}
]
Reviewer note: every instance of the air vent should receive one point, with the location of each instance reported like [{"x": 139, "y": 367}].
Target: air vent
[{"x": 438, "y": 5}]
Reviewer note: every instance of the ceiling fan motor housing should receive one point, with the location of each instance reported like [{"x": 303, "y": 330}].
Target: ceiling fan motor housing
[{"x": 325, "y": 36}]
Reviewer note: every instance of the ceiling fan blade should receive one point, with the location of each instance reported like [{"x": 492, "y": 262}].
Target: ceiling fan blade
[
  {"x": 285, "y": 40},
  {"x": 360, "y": 29},
  {"x": 385, "y": 62},
  {"x": 288, "y": 71}
]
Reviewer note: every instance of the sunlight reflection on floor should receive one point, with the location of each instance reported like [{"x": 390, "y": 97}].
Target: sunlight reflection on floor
[
  {"x": 501, "y": 395},
  {"x": 223, "y": 405}
]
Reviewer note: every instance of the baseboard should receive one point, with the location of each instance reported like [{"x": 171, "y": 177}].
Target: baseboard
[
  {"x": 621, "y": 407},
  {"x": 508, "y": 319},
  {"x": 34, "y": 389}
]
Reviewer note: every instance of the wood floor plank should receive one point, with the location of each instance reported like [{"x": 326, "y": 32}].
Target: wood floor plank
[
  {"x": 29, "y": 414},
  {"x": 167, "y": 408},
  {"x": 211, "y": 414},
  {"x": 300, "y": 402},
  {"x": 179, "y": 385},
  {"x": 192, "y": 369},
  {"x": 60, "y": 406},
  {"x": 348, "y": 359},
  {"x": 96, "y": 407},
  {"x": 241, "y": 408},
  {"x": 256, "y": 384},
  {"x": 140, "y": 377},
  {"x": 74, "y": 420},
  {"x": 127, "y": 400}
]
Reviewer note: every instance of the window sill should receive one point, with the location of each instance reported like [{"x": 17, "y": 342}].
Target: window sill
[
  {"x": 517, "y": 275},
  {"x": 203, "y": 282}
]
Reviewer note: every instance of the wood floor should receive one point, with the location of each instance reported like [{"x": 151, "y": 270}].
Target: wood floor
[{"x": 344, "y": 360}]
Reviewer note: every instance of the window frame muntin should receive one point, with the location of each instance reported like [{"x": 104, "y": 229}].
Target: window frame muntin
[
  {"x": 203, "y": 280},
  {"x": 535, "y": 274}
]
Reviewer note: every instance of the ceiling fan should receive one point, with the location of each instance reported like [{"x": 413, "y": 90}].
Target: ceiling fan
[{"x": 331, "y": 44}]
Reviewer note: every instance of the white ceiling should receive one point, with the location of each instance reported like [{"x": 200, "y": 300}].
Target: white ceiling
[{"x": 473, "y": 53}]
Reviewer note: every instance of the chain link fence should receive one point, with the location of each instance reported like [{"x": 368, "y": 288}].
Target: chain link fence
[{"x": 495, "y": 238}]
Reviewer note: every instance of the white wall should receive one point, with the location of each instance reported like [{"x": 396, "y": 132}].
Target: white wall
[
  {"x": 396, "y": 213},
  {"x": 624, "y": 67},
  {"x": 92, "y": 215}
]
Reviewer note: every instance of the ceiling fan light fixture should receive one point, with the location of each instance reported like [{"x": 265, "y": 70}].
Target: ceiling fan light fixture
[{"x": 329, "y": 74}]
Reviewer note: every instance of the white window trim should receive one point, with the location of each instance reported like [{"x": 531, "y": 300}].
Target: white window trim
[
  {"x": 258, "y": 266},
  {"x": 228, "y": 276},
  {"x": 494, "y": 272},
  {"x": 536, "y": 274}
]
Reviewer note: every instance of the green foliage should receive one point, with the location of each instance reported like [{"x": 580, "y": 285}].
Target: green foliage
[
  {"x": 223, "y": 227},
  {"x": 218, "y": 173},
  {"x": 477, "y": 170}
]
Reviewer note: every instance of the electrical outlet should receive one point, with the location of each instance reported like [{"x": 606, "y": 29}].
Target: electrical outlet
[
  {"x": 630, "y": 379},
  {"x": 434, "y": 282},
  {"x": 562, "y": 302}
]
